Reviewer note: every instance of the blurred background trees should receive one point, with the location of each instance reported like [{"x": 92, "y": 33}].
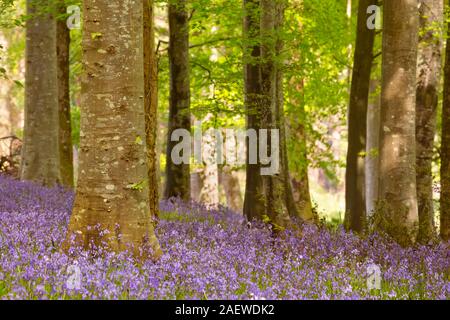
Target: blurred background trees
[{"x": 311, "y": 68}]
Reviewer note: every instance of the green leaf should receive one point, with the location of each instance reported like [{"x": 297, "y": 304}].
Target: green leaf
[
  {"x": 96, "y": 35},
  {"x": 19, "y": 84},
  {"x": 138, "y": 140},
  {"x": 137, "y": 186}
]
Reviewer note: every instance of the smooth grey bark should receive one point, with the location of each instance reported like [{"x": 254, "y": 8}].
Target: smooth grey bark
[
  {"x": 40, "y": 152},
  {"x": 272, "y": 112},
  {"x": 209, "y": 193},
  {"x": 398, "y": 214},
  {"x": 267, "y": 197},
  {"x": 112, "y": 190},
  {"x": 5, "y": 122},
  {"x": 5, "y": 104},
  {"x": 196, "y": 184},
  {"x": 230, "y": 184}
]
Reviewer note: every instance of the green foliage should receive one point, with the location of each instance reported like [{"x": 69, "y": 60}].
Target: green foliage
[
  {"x": 96, "y": 35},
  {"x": 317, "y": 36},
  {"x": 75, "y": 115},
  {"x": 139, "y": 186},
  {"x": 316, "y": 57},
  {"x": 315, "y": 60}
]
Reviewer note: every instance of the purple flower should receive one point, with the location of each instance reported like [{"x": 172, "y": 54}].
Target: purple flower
[{"x": 208, "y": 254}]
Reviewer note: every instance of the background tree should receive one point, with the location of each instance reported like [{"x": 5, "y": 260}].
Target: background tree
[
  {"x": 372, "y": 173},
  {"x": 445, "y": 149},
  {"x": 151, "y": 103},
  {"x": 5, "y": 101},
  {"x": 355, "y": 214},
  {"x": 229, "y": 181},
  {"x": 178, "y": 176},
  {"x": 307, "y": 57},
  {"x": 209, "y": 193},
  {"x": 40, "y": 157},
  {"x": 299, "y": 177},
  {"x": 112, "y": 188},
  {"x": 397, "y": 190},
  {"x": 429, "y": 75},
  {"x": 254, "y": 194},
  {"x": 294, "y": 209},
  {"x": 272, "y": 110},
  {"x": 12, "y": 71},
  {"x": 65, "y": 125}
]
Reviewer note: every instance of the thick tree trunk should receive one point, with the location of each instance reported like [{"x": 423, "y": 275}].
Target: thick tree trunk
[
  {"x": 40, "y": 155},
  {"x": 151, "y": 104},
  {"x": 65, "y": 126},
  {"x": 429, "y": 71},
  {"x": 372, "y": 151},
  {"x": 112, "y": 189},
  {"x": 445, "y": 149},
  {"x": 254, "y": 194},
  {"x": 398, "y": 196},
  {"x": 355, "y": 212},
  {"x": 178, "y": 176},
  {"x": 276, "y": 204}
]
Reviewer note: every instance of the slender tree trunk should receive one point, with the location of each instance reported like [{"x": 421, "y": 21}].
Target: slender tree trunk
[
  {"x": 229, "y": 177},
  {"x": 209, "y": 193},
  {"x": 5, "y": 105},
  {"x": 5, "y": 119},
  {"x": 40, "y": 154},
  {"x": 355, "y": 213},
  {"x": 113, "y": 190},
  {"x": 280, "y": 120},
  {"x": 65, "y": 126},
  {"x": 232, "y": 190},
  {"x": 196, "y": 185},
  {"x": 151, "y": 104},
  {"x": 398, "y": 195},
  {"x": 178, "y": 176},
  {"x": 445, "y": 149},
  {"x": 12, "y": 114},
  {"x": 349, "y": 12},
  {"x": 5, "y": 123},
  {"x": 254, "y": 194},
  {"x": 429, "y": 71},
  {"x": 372, "y": 151},
  {"x": 300, "y": 180},
  {"x": 300, "y": 183}
]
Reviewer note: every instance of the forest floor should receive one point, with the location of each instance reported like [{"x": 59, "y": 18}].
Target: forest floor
[{"x": 208, "y": 254}]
